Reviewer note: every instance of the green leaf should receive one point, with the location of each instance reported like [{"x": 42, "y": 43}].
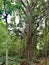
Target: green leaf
[{"x": 1, "y": 11}]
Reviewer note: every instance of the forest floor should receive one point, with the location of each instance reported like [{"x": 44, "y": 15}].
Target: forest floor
[{"x": 43, "y": 61}]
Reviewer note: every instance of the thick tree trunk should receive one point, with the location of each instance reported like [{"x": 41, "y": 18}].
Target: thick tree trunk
[{"x": 29, "y": 42}]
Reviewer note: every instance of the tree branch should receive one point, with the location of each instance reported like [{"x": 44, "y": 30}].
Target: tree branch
[
  {"x": 34, "y": 4},
  {"x": 23, "y": 6},
  {"x": 22, "y": 3}
]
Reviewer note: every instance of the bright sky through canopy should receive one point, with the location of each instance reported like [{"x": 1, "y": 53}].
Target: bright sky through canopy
[{"x": 9, "y": 19}]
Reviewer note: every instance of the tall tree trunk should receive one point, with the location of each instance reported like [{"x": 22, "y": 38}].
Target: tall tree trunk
[
  {"x": 6, "y": 41},
  {"x": 6, "y": 53},
  {"x": 29, "y": 42},
  {"x": 5, "y": 17},
  {"x": 46, "y": 41}
]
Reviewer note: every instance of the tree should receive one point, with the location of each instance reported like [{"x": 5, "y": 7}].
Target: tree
[
  {"x": 33, "y": 11},
  {"x": 7, "y": 8}
]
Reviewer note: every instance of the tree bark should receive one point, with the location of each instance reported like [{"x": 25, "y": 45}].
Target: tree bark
[{"x": 29, "y": 42}]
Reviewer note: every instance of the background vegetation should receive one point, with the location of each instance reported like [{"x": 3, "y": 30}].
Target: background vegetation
[{"x": 27, "y": 39}]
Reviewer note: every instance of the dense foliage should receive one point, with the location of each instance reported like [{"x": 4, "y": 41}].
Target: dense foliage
[{"x": 29, "y": 38}]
